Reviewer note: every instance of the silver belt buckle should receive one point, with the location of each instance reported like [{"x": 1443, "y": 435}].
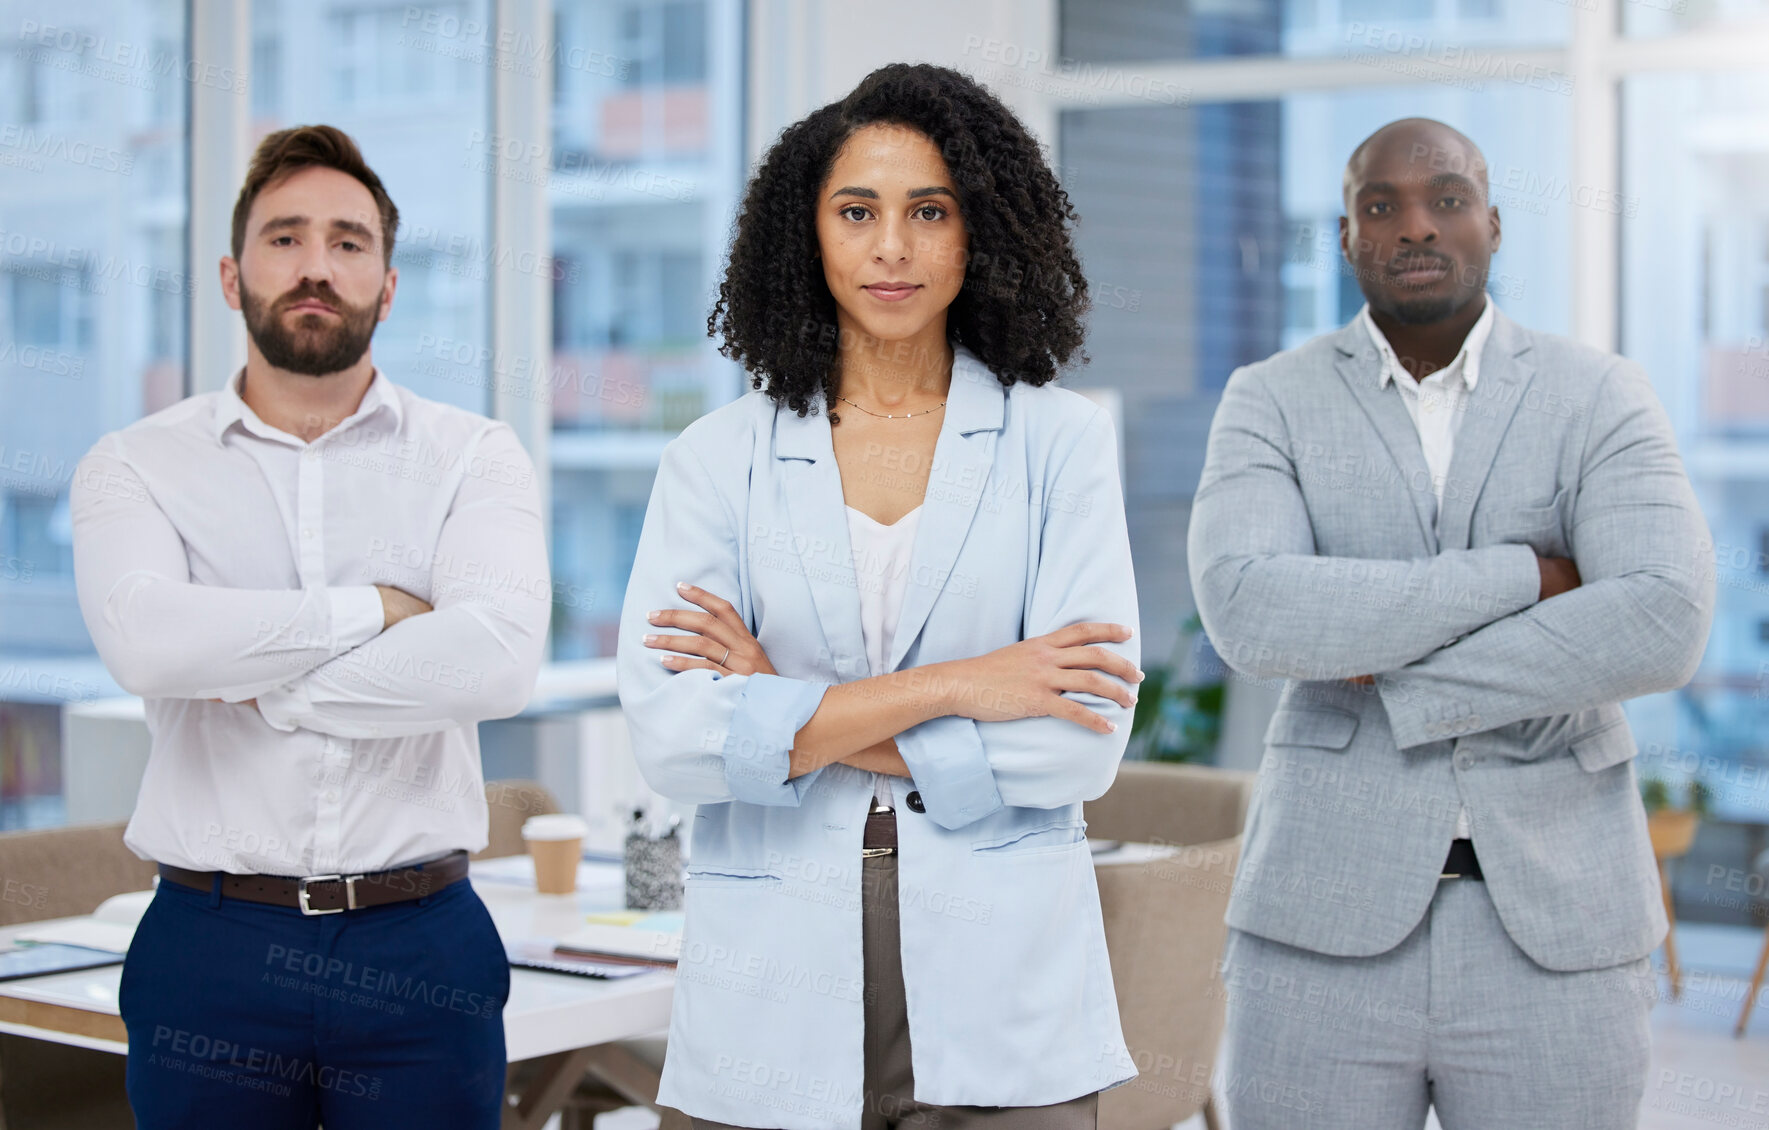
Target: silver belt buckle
[{"x": 349, "y": 882}]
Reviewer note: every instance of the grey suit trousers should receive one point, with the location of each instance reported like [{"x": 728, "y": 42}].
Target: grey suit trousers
[
  {"x": 1455, "y": 1017},
  {"x": 890, "y": 1082}
]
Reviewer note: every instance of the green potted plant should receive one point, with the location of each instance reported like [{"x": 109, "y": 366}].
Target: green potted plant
[{"x": 1179, "y": 703}]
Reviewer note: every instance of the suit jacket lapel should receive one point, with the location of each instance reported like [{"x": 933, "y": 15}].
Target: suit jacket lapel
[
  {"x": 963, "y": 456},
  {"x": 1361, "y": 367},
  {"x": 1505, "y": 375},
  {"x": 819, "y": 534}
]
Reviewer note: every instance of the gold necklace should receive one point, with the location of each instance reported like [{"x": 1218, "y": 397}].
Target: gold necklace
[{"x": 892, "y": 416}]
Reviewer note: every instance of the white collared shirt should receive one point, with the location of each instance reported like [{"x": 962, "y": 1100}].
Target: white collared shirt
[
  {"x": 1436, "y": 405},
  {"x": 217, "y": 557}
]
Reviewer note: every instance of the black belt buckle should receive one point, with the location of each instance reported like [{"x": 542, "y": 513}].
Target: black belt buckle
[{"x": 1461, "y": 863}]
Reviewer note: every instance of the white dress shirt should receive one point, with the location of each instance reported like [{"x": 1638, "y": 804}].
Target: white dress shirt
[
  {"x": 1436, "y": 405},
  {"x": 217, "y": 557},
  {"x": 881, "y": 570}
]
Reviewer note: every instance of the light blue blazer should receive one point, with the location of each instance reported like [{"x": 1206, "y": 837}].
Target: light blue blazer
[{"x": 1009, "y": 991}]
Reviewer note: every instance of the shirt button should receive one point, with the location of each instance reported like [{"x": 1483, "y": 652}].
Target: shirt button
[
  {"x": 331, "y": 796},
  {"x": 308, "y": 534},
  {"x": 1464, "y": 761},
  {"x": 913, "y": 800}
]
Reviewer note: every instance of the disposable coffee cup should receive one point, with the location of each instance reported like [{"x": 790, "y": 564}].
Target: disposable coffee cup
[{"x": 555, "y": 842}]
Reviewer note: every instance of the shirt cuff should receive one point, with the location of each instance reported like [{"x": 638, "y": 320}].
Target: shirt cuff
[
  {"x": 357, "y": 615},
  {"x": 945, "y": 757},
  {"x": 286, "y": 706},
  {"x": 758, "y": 746}
]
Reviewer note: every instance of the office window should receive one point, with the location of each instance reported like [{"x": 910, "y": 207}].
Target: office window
[
  {"x": 1666, "y": 17},
  {"x": 93, "y": 300},
  {"x": 412, "y": 85},
  {"x": 645, "y": 171},
  {"x": 1210, "y": 235},
  {"x": 1390, "y": 34},
  {"x": 1694, "y": 224}
]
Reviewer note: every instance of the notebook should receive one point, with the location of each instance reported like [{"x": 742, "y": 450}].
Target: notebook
[
  {"x": 540, "y": 953},
  {"x": 34, "y": 960}
]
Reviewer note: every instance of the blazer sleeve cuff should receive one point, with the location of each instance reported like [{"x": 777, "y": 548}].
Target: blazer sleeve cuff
[
  {"x": 946, "y": 759},
  {"x": 758, "y": 744},
  {"x": 1417, "y": 715}
]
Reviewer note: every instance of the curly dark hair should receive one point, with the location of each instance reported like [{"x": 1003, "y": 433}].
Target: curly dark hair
[{"x": 1021, "y": 305}]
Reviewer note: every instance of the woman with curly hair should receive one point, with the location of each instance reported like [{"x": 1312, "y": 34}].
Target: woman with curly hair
[{"x": 904, "y": 649}]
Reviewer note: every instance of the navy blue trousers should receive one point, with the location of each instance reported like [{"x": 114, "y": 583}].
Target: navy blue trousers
[{"x": 241, "y": 1014}]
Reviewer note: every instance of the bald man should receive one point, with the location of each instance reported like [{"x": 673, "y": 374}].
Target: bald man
[{"x": 1461, "y": 544}]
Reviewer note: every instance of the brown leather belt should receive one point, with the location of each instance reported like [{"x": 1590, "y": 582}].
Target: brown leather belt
[
  {"x": 331, "y": 894},
  {"x": 881, "y": 832}
]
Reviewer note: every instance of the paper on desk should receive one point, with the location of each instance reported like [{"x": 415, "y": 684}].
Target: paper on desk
[
  {"x": 651, "y": 936},
  {"x": 518, "y": 871},
  {"x": 109, "y": 928}
]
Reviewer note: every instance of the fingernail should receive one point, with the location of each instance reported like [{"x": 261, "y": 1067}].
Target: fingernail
[
  {"x": 665, "y": 660},
  {"x": 683, "y": 586},
  {"x": 653, "y": 615},
  {"x": 1139, "y": 675},
  {"x": 1133, "y": 700},
  {"x": 650, "y": 639},
  {"x": 1111, "y": 727}
]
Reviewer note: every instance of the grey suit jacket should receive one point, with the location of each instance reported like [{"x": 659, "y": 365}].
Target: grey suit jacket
[{"x": 1314, "y": 557}]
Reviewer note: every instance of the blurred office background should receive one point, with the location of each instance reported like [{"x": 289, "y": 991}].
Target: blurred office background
[{"x": 567, "y": 175}]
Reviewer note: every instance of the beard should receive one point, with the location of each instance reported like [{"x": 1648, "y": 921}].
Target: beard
[
  {"x": 312, "y": 346},
  {"x": 1427, "y": 309},
  {"x": 1421, "y": 311}
]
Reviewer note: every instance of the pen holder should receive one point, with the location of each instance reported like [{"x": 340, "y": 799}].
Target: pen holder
[{"x": 654, "y": 872}]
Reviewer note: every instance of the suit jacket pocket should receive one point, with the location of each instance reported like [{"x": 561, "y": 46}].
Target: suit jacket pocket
[
  {"x": 1319, "y": 726},
  {"x": 1542, "y": 528},
  {"x": 1609, "y": 744}
]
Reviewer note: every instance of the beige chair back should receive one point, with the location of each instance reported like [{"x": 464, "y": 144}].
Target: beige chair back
[
  {"x": 511, "y": 804},
  {"x": 62, "y": 872},
  {"x": 1165, "y": 930}
]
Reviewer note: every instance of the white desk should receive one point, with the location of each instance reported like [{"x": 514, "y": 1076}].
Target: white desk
[
  {"x": 569, "y": 1023},
  {"x": 549, "y": 1015}
]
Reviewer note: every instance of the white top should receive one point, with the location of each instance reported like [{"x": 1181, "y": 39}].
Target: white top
[
  {"x": 217, "y": 557},
  {"x": 881, "y": 570},
  {"x": 1436, "y": 405}
]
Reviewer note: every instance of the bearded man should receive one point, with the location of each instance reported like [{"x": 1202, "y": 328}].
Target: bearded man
[{"x": 319, "y": 583}]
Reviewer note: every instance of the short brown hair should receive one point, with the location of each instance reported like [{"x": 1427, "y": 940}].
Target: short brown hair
[{"x": 287, "y": 151}]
